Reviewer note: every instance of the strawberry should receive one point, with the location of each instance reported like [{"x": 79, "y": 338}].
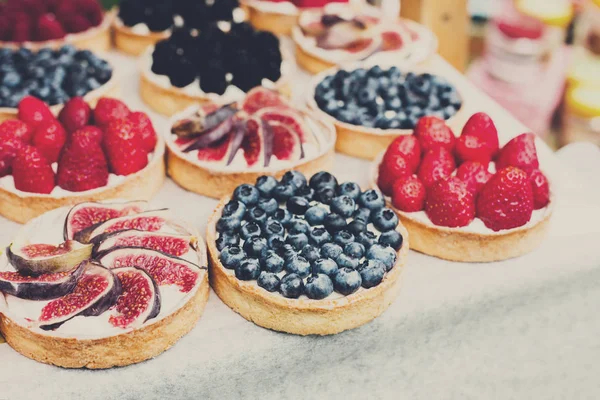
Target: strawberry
[
  {"x": 49, "y": 138},
  {"x": 32, "y": 172},
  {"x": 474, "y": 174},
  {"x": 408, "y": 194},
  {"x": 9, "y": 147},
  {"x": 76, "y": 23},
  {"x": 33, "y": 111},
  {"x": 540, "y": 188},
  {"x": 437, "y": 163},
  {"x": 49, "y": 28},
  {"x": 481, "y": 126},
  {"x": 392, "y": 167},
  {"x": 472, "y": 148},
  {"x": 433, "y": 132},
  {"x": 108, "y": 109},
  {"x": 17, "y": 129},
  {"x": 75, "y": 114},
  {"x": 145, "y": 128},
  {"x": 520, "y": 152},
  {"x": 123, "y": 146},
  {"x": 449, "y": 203},
  {"x": 92, "y": 132},
  {"x": 92, "y": 10},
  {"x": 409, "y": 147},
  {"x": 82, "y": 165},
  {"x": 506, "y": 201}
]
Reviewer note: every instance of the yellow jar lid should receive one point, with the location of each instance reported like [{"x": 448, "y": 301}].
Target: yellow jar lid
[
  {"x": 596, "y": 2},
  {"x": 583, "y": 101},
  {"x": 557, "y": 13},
  {"x": 584, "y": 68}
]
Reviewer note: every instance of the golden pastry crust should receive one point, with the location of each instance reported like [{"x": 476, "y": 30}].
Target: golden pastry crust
[
  {"x": 279, "y": 24},
  {"x": 301, "y": 316},
  {"x": 132, "y": 43},
  {"x": 310, "y": 63}
]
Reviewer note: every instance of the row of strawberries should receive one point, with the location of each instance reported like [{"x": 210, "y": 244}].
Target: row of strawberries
[
  {"x": 87, "y": 144},
  {"x": 420, "y": 172}
]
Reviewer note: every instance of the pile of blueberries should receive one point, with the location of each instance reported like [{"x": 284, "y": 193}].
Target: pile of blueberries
[
  {"x": 308, "y": 238},
  {"x": 386, "y": 99},
  {"x": 53, "y": 76}
]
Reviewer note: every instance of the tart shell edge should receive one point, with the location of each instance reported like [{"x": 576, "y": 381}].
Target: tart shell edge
[{"x": 133, "y": 44}]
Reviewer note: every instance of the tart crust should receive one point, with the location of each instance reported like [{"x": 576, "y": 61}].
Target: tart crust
[
  {"x": 279, "y": 24},
  {"x": 301, "y": 316},
  {"x": 132, "y": 43}
]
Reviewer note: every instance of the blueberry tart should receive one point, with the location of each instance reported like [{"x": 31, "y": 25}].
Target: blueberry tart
[
  {"x": 101, "y": 285},
  {"x": 323, "y": 258}
]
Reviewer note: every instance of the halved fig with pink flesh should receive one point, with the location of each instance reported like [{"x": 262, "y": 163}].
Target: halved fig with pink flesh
[
  {"x": 164, "y": 269},
  {"x": 139, "y": 300},
  {"x": 172, "y": 244},
  {"x": 341, "y": 35},
  {"x": 237, "y": 137},
  {"x": 201, "y": 122},
  {"x": 95, "y": 292},
  {"x": 218, "y": 151},
  {"x": 256, "y": 143},
  {"x": 211, "y": 137},
  {"x": 287, "y": 116},
  {"x": 85, "y": 215},
  {"x": 37, "y": 259},
  {"x": 41, "y": 287},
  {"x": 359, "y": 45},
  {"x": 391, "y": 41},
  {"x": 286, "y": 143},
  {"x": 261, "y": 97}
]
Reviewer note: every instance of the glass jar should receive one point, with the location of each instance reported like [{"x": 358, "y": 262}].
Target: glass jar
[{"x": 581, "y": 118}]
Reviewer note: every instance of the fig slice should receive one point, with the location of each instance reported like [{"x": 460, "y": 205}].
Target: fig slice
[
  {"x": 88, "y": 214},
  {"x": 391, "y": 41},
  {"x": 37, "y": 259},
  {"x": 168, "y": 243},
  {"x": 164, "y": 269},
  {"x": 286, "y": 142},
  {"x": 151, "y": 221},
  {"x": 289, "y": 117},
  {"x": 202, "y": 121},
  {"x": 95, "y": 292},
  {"x": 341, "y": 35},
  {"x": 257, "y": 143},
  {"x": 41, "y": 287},
  {"x": 261, "y": 97},
  {"x": 212, "y": 136},
  {"x": 139, "y": 300},
  {"x": 237, "y": 137}
]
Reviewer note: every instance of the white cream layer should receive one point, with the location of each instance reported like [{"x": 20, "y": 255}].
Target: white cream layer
[{"x": 281, "y": 7}]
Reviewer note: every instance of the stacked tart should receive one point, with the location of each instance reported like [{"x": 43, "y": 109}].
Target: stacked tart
[
  {"x": 212, "y": 149},
  {"x": 467, "y": 199},
  {"x": 101, "y": 285},
  {"x": 84, "y": 154},
  {"x": 306, "y": 257},
  {"x": 176, "y": 73},
  {"x": 42, "y": 23},
  {"x": 370, "y": 106}
]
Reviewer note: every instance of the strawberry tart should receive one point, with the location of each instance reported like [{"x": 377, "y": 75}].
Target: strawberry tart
[
  {"x": 212, "y": 149},
  {"x": 52, "y": 23},
  {"x": 100, "y": 285},
  {"x": 176, "y": 74},
  {"x": 466, "y": 198},
  {"x": 48, "y": 162}
]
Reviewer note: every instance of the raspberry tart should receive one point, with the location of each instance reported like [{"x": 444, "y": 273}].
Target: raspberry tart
[
  {"x": 466, "y": 199},
  {"x": 213, "y": 149},
  {"x": 306, "y": 257},
  {"x": 176, "y": 75},
  {"x": 101, "y": 285},
  {"x": 52, "y": 23},
  {"x": 371, "y": 105},
  {"x": 48, "y": 162}
]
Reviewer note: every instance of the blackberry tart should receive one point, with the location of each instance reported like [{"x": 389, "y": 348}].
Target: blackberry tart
[
  {"x": 219, "y": 63},
  {"x": 212, "y": 149},
  {"x": 306, "y": 257},
  {"x": 101, "y": 285},
  {"x": 370, "y": 105}
]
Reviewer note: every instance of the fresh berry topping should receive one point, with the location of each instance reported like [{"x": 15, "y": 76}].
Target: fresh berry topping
[
  {"x": 75, "y": 114},
  {"x": 256, "y": 247},
  {"x": 32, "y": 172},
  {"x": 291, "y": 286},
  {"x": 474, "y": 174},
  {"x": 33, "y": 111},
  {"x": 108, "y": 109},
  {"x": 315, "y": 215},
  {"x": 297, "y": 179},
  {"x": 13, "y": 128},
  {"x": 391, "y": 238},
  {"x": 283, "y": 191},
  {"x": 146, "y": 130},
  {"x": 540, "y": 188},
  {"x": 82, "y": 165},
  {"x": 323, "y": 179},
  {"x": 268, "y": 281},
  {"x": 347, "y": 281},
  {"x": 273, "y": 262},
  {"x": 48, "y": 28},
  {"x": 392, "y": 167},
  {"x": 318, "y": 286},
  {"x": 433, "y": 132},
  {"x": 371, "y": 273},
  {"x": 248, "y": 270},
  {"x": 297, "y": 205},
  {"x": 520, "y": 152},
  {"x": 472, "y": 148},
  {"x": 265, "y": 185},
  {"x": 298, "y": 265},
  {"x": 326, "y": 266},
  {"x": 384, "y": 220},
  {"x": 343, "y": 205},
  {"x": 371, "y": 199},
  {"x": 9, "y": 147},
  {"x": 481, "y": 126},
  {"x": 449, "y": 203},
  {"x": 384, "y": 254},
  {"x": 123, "y": 147},
  {"x": 408, "y": 194},
  {"x": 246, "y": 194},
  {"x": 437, "y": 164},
  {"x": 408, "y": 146},
  {"x": 354, "y": 249},
  {"x": 49, "y": 138},
  {"x": 350, "y": 189},
  {"x": 232, "y": 256}
]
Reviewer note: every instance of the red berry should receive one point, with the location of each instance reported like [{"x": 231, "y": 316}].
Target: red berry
[
  {"x": 474, "y": 174},
  {"x": 108, "y": 109},
  {"x": 144, "y": 127},
  {"x": 433, "y": 132},
  {"x": 49, "y": 138},
  {"x": 506, "y": 201},
  {"x": 123, "y": 147},
  {"x": 392, "y": 167},
  {"x": 76, "y": 23},
  {"x": 33, "y": 111},
  {"x": 520, "y": 152},
  {"x": 471, "y": 148},
  {"x": 409, "y": 147},
  {"x": 82, "y": 165},
  {"x": 92, "y": 133},
  {"x": 408, "y": 194},
  {"x": 17, "y": 129},
  {"x": 32, "y": 172},
  {"x": 75, "y": 114},
  {"x": 449, "y": 203},
  {"x": 437, "y": 163},
  {"x": 481, "y": 126},
  {"x": 9, "y": 147},
  {"x": 49, "y": 28},
  {"x": 540, "y": 188}
]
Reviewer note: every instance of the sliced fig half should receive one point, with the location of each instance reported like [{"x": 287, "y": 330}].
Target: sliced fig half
[
  {"x": 37, "y": 259},
  {"x": 255, "y": 142},
  {"x": 286, "y": 142},
  {"x": 237, "y": 137},
  {"x": 95, "y": 292},
  {"x": 217, "y": 152},
  {"x": 290, "y": 117},
  {"x": 164, "y": 269},
  {"x": 391, "y": 41},
  {"x": 172, "y": 244},
  {"x": 85, "y": 215},
  {"x": 41, "y": 287},
  {"x": 359, "y": 45},
  {"x": 261, "y": 97},
  {"x": 202, "y": 121},
  {"x": 209, "y": 138},
  {"x": 139, "y": 300},
  {"x": 341, "y": 35}
]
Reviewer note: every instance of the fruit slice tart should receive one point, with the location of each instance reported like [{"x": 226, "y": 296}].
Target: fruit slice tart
[
  {"x": 84, "y": 154},
  {"x": 176, "y": 73},
  {"x": 101, "y": 285},
  {"x": 52, "y": 23},
  {"x": 371, "y": 105},
  {"x": 466, "y": 198},
  {"x": 306, "y": 257},
  {"x": 340, "y": 33},
  {"x": 142, "y": 23},
  {"x": 213, "y": 149}
]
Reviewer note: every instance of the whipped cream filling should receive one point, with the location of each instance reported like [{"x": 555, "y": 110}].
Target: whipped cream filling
[
  {"x": 276, "y": 7},
  {"x": 142, "y": 28}
]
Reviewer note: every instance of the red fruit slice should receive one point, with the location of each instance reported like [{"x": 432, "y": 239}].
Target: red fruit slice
[
  {"x": 139, "y": 300},
  {"x": 359, "y": 45},
  {"x": 253, "y": 142},
  {"x": 391, "y": 41},
  {"x": 288, "y": 117},
  {"x": 151, "y": 221},
  {"x": 286, "y": 143},
  {"x": 261, "y": 97},
  {"x": 217, "y": 151},
  {"x": 172, "y": 244}
]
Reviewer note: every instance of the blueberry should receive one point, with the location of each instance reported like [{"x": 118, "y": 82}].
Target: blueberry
[
  {"x": 323, "y": 179},
  {"x": 297, "y": 205},
  {"x": 256, "y": 214},
  {"x": 319, "y": 235},
  {"x": 283, "y": 191},
  {"x": 362, "y": 214},
  {"x": 275, "y": 242},
  {"x": 356, "y": 227},
  {"x": 228, "y": 224},
  {"x": 248, "y": 269},
  {"x": 265, "y": 185},
  {"x": 272, "y": 262},
  {"x": 282, "y": 215},
  {"x": 367, "y": 239},
  {"x": 269, "y": 205},
  {"x": 324, "y": 195},
  {"x": 372, "y": 199},
  {"x": 231, "y": 256},
  {"x": 288, "y": 252},
  {"x": 274, "y": 228},
  {"x": 355, "y": 250},
  {"x": 256, "y": 247},
  {"x": 251, "y": 229},
  {"x": 296, "y": 178},
  {"x": 334, "y": 223},
  {"x": 343, "y": 205},
  {"x": 247, "y": 194},
  {"x": 315, "y": 215},
  {"x": 311, "y": 253},
  {"x": 325, "y": 266},
  {"x": 227, "y": 239},
  {"x": 291, "y": 286},
  {"x": 343, "y": 237},
  {"x": 384, "y": 220},
  {"x": 318, "y": 286},
  {"x": 391, "y": 238},
  {"x": 386, "y": 255},
  {"x": 347, "y": 281},
  {"x": 298, "y": 265},
  {"x": 298, "y": 240},
  {"x": 298, "y": 226},
  {"x": 331, "y": 250},
  {"x": 306, "y": 192},
  {"x": 11, "y": 80},
  {"x": 371, "y": 273},
  {"x": 346, "y": 261},
  {"x": 268, "y": 281},
  {"x": 350, "y": 189},
  {"x": 375, "y": 71},
  {"x": 449, "y": 112}
]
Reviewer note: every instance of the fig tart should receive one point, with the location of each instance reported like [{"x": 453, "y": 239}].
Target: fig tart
[
  {"x": 313, "y": 257},
  {"x": 466, "y": 199},
  {"x": 101, "y": 285},
  {"x": 212, "y": 149},
  {"x": 83, "y": 154}
]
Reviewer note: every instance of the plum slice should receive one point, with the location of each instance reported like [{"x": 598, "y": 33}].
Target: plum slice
[
  {"x": 38, "y": 258},
  {"x": 172, "y": 244},
  {"x": 261, "y": 97},
  {"x": 150, "y": 221},
  {"x": 139, "y": 300}
]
